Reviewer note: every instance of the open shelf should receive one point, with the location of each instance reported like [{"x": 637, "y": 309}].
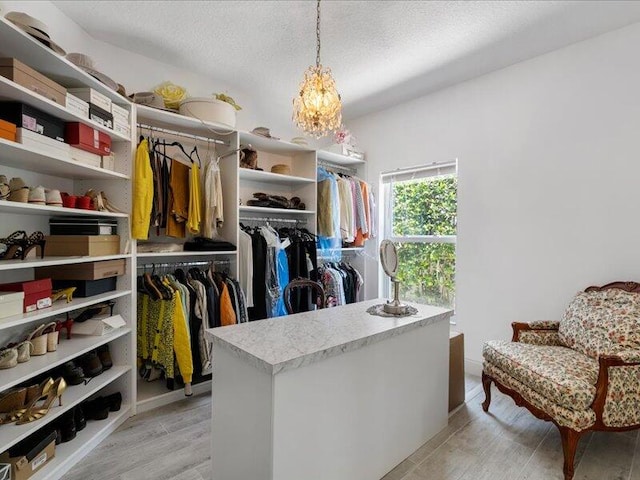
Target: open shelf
[
  {"x": 20, "y": 208},
  {"x": 72, "y": 396},
  {"x": 271, "y": 145},
  {"x": 176, "y": 121},
  {"x": 54, "y": 261},
  {"x": 13, "y": 154},
  {"x": 67, "y": 350},
  {"x": 247, "y": 209},
  {"x": 339, "y": 159},
  {"x": 15, "y": 43},
  {"x": 155, "y": 394},
  {"x": 272, "y": 178},
  {"x": 182, "y": 254},
  {"x": 70, "y": 453},
  {"x": 59, "y": 308},
  {"x": 17, "y": 93}
]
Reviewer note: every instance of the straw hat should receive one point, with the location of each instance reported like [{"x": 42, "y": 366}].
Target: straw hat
[
  {"x": 84, "y": 62},
  {"x": 281, "y": 168},
  {"x": 35, "y": 28}
]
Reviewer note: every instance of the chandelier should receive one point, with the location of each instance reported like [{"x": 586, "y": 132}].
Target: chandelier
[{"x": 317, "y": 109}]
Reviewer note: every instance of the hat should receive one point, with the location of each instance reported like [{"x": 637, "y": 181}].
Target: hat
[
  {"x": 84, "y": 62},
  {"x": 35, "y": 28},
  {"x": 263, "y": 132},
  {"x": 149, "y": 99}
]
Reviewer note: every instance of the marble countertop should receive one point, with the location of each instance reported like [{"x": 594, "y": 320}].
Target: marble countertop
[{"x": 285, "y": 343}]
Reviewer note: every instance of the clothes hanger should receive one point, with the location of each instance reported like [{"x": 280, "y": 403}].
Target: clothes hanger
[{"x": 195, "y": 150}]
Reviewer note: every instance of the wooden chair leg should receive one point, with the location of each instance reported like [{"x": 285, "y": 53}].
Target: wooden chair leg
[
  {"x": 570, "y": 439},
  {"x": 486, "y": 384}
]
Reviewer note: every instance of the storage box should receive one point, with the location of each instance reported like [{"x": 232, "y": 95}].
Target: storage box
[
  {"x": 109, "y": 162},
  {"x": 24, "y": 466},
  {"x": 85, "y": 157},
  {"x": 73, "y": 245},
  {"x": 120, "y": 114},
  {"x": 40, "y": 142},
  {"x": 25, "y": 116},
  {"x": 37, "y": 293},
  {"x": 100, "y": 116},
  {"x": 209, "y": 110},
  {"x": 91, "y": 96},
  {"x": 26, "y": 76},
  {"x": 87, "y": 138},
  {"x": 88, "y": 288},
  {"x": 11, "y": 304},
  {"x": 83, "y": 226},
  {"x": 456, "y": 369},
  {"x": 8, "y": 130},
  {"x": 84, "y": 271},
  {"x": 77, "y": 106},
  {"x": 124, "y": 129},
  {"x": 99, "y": 325}
]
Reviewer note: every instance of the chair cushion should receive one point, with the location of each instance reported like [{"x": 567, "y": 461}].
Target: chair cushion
[
  {"x": 602, "y": 323},
  {"x": 560, "y": 374}
]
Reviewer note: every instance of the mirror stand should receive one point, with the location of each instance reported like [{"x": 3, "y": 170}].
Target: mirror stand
[{"x": 395, "y": 307}]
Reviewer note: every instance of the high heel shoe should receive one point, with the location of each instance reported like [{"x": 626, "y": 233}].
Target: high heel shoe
[
  {"x": 35, "y": 411},
  {"x": 14, "y": 244},
  {"x": 39, "y": 340},
  {"x": 64, "y": 293},
  {"x": 13, "y": 400},
  {"x": 65, "y": 325},
  {"x": 8, "y": 358},
  {"x": 52, "y": 336},
  {"x": 36, "y": 240},
  {"x": 24, "y": 351},
  {"x": 34, "y": 393}
]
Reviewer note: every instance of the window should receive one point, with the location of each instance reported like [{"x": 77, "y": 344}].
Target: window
[{"x": 420, "y": 218}]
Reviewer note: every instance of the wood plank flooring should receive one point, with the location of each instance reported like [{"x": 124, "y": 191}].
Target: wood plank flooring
[{"x": 173, "y": 442}]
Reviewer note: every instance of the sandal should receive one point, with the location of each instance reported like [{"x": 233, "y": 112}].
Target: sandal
[
  {"x": 64, "y": 293},
  {"x": 36, "y": 240},
  {"x": 38, "y": 340},
  {"x": 24, "y": 351},
  {"x": 52, "y": 336},
  {"x": 8, "y": 358},
  {"x": 14, "y": 244}
]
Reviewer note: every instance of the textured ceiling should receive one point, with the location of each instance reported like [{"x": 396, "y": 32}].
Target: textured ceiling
[{"x": 381, "y": 52}]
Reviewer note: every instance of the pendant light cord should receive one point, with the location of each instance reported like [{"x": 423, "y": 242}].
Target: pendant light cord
[{"x": 318, "y": 36}]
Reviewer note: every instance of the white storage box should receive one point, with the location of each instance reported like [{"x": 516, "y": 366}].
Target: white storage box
[
  {"x": 87, "y": 158},
  {"x": 119, "y": 113},
  {"x": 123, "y": 128},
  {"x": 11, "y": 303},
  {"x": 40, "y": 142},
  {"x": 77, "y": 106},
  {"x": 91, "y": 96},
  {"x": 99, "y": 326},
  {"x": 109, "y": 162},
  {"x": 209, "y": 110}
]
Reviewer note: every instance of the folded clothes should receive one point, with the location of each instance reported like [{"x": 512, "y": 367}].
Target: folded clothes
[
  {"x": 275, "y": 201},
  {"x": 158, "y": 247},
  {"x": 202, "y": 244}
]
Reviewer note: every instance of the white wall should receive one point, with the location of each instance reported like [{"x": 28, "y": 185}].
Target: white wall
[
  {"x": 138, "y": 73},
  {"x": 549, "y": 176}
]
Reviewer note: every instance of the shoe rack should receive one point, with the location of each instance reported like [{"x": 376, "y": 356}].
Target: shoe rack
[{"x": 39, "y": 167}]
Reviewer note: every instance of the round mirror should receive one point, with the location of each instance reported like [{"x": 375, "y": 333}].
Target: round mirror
[{"x": 389, "y": 258}]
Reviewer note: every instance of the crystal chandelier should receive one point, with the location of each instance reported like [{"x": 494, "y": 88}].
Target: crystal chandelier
[{"x": 317, "y": 109}]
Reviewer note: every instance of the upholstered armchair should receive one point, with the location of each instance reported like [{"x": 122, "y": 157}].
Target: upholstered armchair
[{"x": 581, "y": 373}]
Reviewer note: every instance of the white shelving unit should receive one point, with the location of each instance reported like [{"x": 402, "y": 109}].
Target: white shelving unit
[
  {"x": 182, "y": 254},
  {"x": 52, "y": 170}
]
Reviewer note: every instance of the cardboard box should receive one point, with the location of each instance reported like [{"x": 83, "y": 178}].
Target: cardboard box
[
  {"x": 91, "y": 96},
  {"x": 85, "y": 157},
  {"x": 100, "y": 116},
  {"x": 21, "y": 74},
  {"x": 29, "y": 118},
  {"x": 8, "y": 130},
  {"x": 11, "y": 304},
  {"x": 87, "y": 138},
  {"x": 456, "y": 369},
  {"x": 84, "y": 271},
  {"x": 37, "y": 293},
  {"x": 40, "y": 142},
  {"x": 74, "y": 245},
  {"x": 22, "y": 468},
  {"x": 77, "y": 106}
]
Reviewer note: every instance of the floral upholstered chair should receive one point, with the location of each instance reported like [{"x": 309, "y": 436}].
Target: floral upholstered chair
[{"x": 581, "y": 373}]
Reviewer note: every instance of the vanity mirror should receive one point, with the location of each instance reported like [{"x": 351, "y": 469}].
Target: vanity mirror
[{"x": 389, "y": 261}]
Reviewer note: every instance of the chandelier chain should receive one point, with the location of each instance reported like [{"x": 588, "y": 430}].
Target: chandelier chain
[{"x": 318, "y": 36}]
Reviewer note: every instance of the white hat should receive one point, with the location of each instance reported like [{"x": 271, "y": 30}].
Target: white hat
[
  {"x": 85, "y": 63},
  {"x": 35, "y": 28}
]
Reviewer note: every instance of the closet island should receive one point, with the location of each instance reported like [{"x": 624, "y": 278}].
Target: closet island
[{"x": 330, "y": 394}]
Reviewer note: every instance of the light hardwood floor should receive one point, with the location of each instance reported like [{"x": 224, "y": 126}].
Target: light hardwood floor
[{"x": 173, "y": 442}]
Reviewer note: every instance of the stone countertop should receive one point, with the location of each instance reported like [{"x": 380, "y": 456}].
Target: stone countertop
[{"x": 285, "y": 343}]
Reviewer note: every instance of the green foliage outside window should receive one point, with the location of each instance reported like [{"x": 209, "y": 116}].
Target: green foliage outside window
[{"x": 426, "y": 207}]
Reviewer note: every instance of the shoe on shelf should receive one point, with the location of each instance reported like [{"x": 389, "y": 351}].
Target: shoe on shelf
[
  {"x": 18, "y": 190},
  {"x": 72, "y": 373},
  {"x": 81, "y": 420},
  {"x": 36, "y": 410},
  {"x": 35, "y": 240},
  {"x": 39, "y": 341},
  {"x": 67, "y": 426},
  {"x": 34, "y": 393},
  {"x": 105, "y": 357},
  {"x": 5, "y": 190},
  {"x": 38, "y": 389},
  {"x": 97, "y": 409},
  {"x": 53, "y": 197},
  {"x": 91, "y": 364},
  {"x": 37, "y": 195},
  {"x": 8, "y": 358},
  {"x": 13, "y": 399},
  {"x": 114, "y": 401},
  {"x": 24, "y": 351},
  {"x": 66, "y": 293},
  {"x": 65, "y": 325},
  {"x": 52, "y": 336},
  {"x": 13, "y": 245}
]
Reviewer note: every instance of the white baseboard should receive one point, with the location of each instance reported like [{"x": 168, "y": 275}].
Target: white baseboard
[{"x": 473, "y": 367}]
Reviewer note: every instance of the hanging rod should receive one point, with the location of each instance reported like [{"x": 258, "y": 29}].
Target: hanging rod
[
  {"x": 215, "y": 141},
  {"x": 271, "y": 219},
  {"x": 184, "y": 264},
  {"x": 340, "y": 168}
]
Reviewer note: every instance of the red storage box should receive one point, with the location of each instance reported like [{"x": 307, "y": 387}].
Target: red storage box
[
  {"x": 87, "y": 138},
  {"x": 37, "y": 293}
]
